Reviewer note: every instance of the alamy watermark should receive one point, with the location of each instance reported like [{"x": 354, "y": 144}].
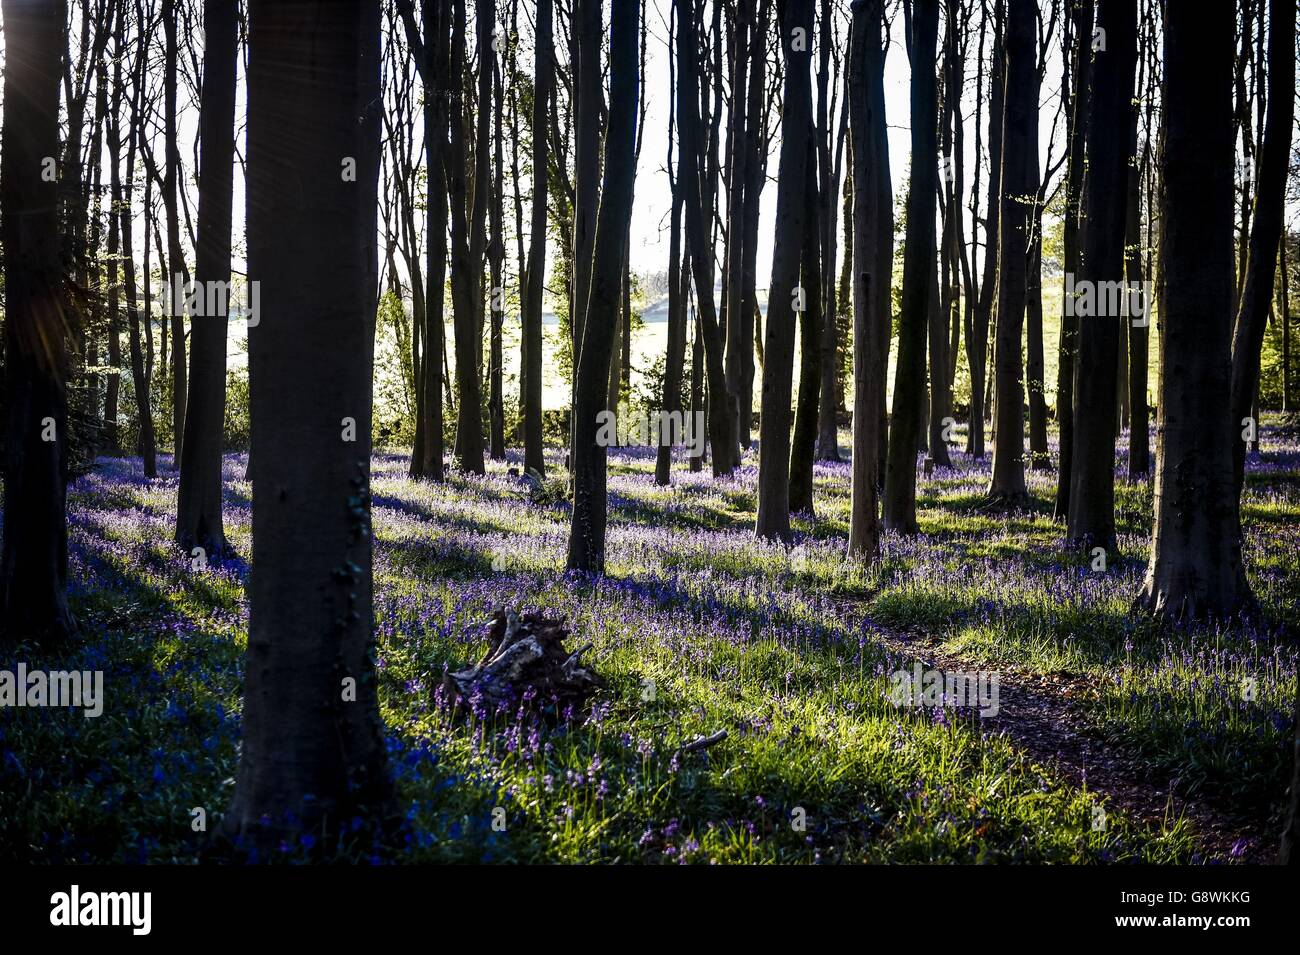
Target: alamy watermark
[
  {"x": 934, "y": 688},
  {"x": 658, "y": 429},
  {"x": 1086, "y": 298},
  {"x": 210, "y": 299},
  {"x": 70, "y": 688}
]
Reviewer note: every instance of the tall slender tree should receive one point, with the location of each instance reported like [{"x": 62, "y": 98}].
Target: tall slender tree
[
  {"x": 1018, "y": 186},
  {"x": 1096, "y": 384},
  {"x": 38, "y": 322},
  {"x": 543, "y": 70},
  {"x": 587, "y": 529},
  {"x": 918, "y": 277},
  {"x": 784, "y": 294},
  {"x": 870, "y": 269},
  {"x": 1195, "y": 568},
  {"x": 1266, "y": 224},
  {"x": 1079, "y": 56},
  {"x": 198, "y": 509},
  {"x": 313, "y": 752}
]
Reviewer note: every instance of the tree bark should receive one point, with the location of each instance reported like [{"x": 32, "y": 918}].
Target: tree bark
[
  {"x": 1019, "y": 124},
  {"x": 870, "y": 310},
  {"x": 1266, "y": 225},
  {"x": 313, "y": 749},
  {"x": 1096, "y": 384},
  {"x": 1139, "y": 446},
  {"x": 534, "y": 456},
  {"x": 1081, "y": 15},
  {"x": 198, "y": 508},
  {"x": 803, "y": 444},
  {"x": 1195, "y": 568},
  {"x": 721, "y": 420},
  {"x": 34, "y": 565},
  {"x": 918, "y": 276},
  {"x": 773, "y": 519},
  {"x": 178, "y": 271},
  {"x": 587, "y": 530}
]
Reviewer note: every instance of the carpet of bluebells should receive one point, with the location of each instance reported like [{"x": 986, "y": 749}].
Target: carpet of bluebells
[{"x": 697, "y": 627}]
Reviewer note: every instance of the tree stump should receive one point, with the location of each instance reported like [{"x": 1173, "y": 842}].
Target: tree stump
[{"x": 526, "y": 661}]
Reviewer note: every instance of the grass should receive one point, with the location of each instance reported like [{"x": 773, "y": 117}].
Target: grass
[{"x": 697, "y": 627}]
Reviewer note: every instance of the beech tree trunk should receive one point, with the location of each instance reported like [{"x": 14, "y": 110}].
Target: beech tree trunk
[
  {"x": 803, "y": 444},
  {"x": 700, "y": 248},
  {"x": 918, "y": 277},
  {"x": 534, "y": 456},
  {"x": 34, "y": 565},
  {"x": 1019, "y": 124},
  {"x": 792, "y": 209},
  {"x": 313, "y": 749},
  {"x": 1195, "y": 568},
  {"x": 1266, "y": 225},
  {"x": 587, "y": 529},
  {"x": 1081, "y": 16},
  {"x": 1139, "y": 447},
  {"x": 178, "y": 271},
  {"x": 198, "y": 508},
  {"x": 871, "y": 317},
  {"x": 1096, "y": 384}
]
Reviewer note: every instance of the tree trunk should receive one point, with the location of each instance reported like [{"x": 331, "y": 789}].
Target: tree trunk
[
  {"x": 978, "y": 350},
  {"x": 587, "y": 530},
  {"x": 496, "y": 253},
  {"x": 313, "y": 750},
  {"x": 468, "y": 216},
  {"x": 755, "y": 179},
  {"x": 1019, "y": 124},
  {"x": 1080, "y": 108},
  {"x": 918, "y": 276},
  {"x": 34, "y": 566},
  {"x": 828, "y": 188},
  {"x": 1195, "y": 568},
  {"x": 792, "y": 208},
  {"x": 534, "y": 457},
  {"x": 803, "y": 445},
  {"x": 721, "y": 420},
  {"x": 198, "y": 508},
  {"x": 870, "y": 310},
  {"x": 1096, "y": 384},
  {"x": 737, "y": 319},
  {"x": 1139, "y": 446},
  {"x": 1266, "y": 227},
  {"x": 178, "y": 271}
]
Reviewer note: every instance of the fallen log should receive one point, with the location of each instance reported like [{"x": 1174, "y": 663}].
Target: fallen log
[{"x": 527, "y": 662}]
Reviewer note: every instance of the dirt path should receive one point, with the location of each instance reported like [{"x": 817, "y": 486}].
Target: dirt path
[{"x": 1042, "y": 715}]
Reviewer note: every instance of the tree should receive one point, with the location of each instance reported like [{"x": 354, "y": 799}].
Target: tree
[
  {"x": 773, "y": 519},
  {"x": 178, "y": 273},
  {"x": 737, "y": 319},
  {"x": 1195, "y": 568},
  {"x": 587, "y": 530},
  {"x": 803, "y": 444},
  {"x": 1096, "y": 384},
  {"x": 198, "y": 508},
  {"x": 977, "y": 341},
  {"x": 1266, "y": 224},
  {"x": 38, "y": 321},
  {"x": 1081, "y": 21},
  {"x": 468, "y": 239},
  {"x": 543, "y": 55},
  {"x": 313, "y": 748},
  {"x": 699, "y": 247},
  {"x": 1018, "y": 186},
  {"x": 918, "y": 276},
  {"x": 870, "y": 268}
]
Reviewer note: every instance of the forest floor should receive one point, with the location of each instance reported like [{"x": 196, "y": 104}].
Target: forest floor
[{"x": 1116, "y": 739}]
